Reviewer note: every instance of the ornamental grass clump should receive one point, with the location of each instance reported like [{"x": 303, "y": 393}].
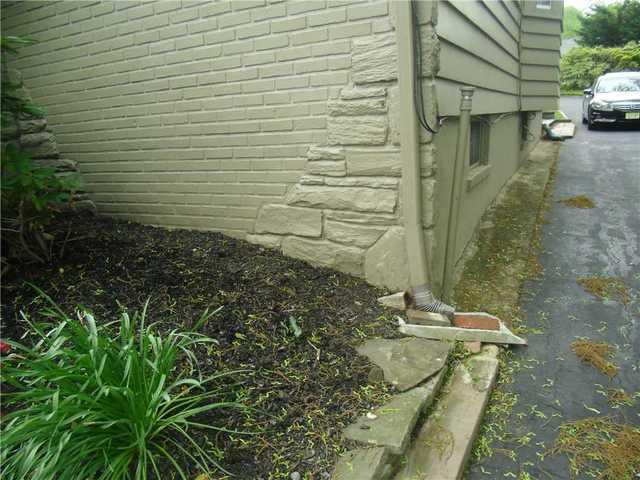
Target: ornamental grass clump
[{"x": 83, "y": 403}]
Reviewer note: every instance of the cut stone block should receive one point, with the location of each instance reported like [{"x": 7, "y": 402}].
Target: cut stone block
[
  {"x": 325, "y": 153},
  {"x": 327, "y": 167},
  {"x": 386, "y": 261},
  {"x": 33, "y": 125},
  {"x": 420, "y": 317},
  {"x": 364, "y": 464},
  {"x": 480, "y": 320},
  {"x": 444, "y": 442},
  {"x": 366, "y": 218},
  {"x": 358, "y": 93},
  {"x": 504, "y": 335},
  {"x": 33, "y": 139},
  {"x": 349, "y": 234},
  {"x": 59, "y": 164},
  {"x": 40, "y": 145},
  {"x": 374, "y": 163},
  {"x": 406, "y": 362},
  {"x": 428, "y": 194},
  {"x": 267, "y": 241},
  {"x": 337, "y": 198},
  {"x": 394, "y": 115},
  {"x": 430, "y": 51},
  {"x": 375, "y": 59},
  {"x": 371, "y": 182},
  {"x": 392, "y": 424},
  {"x": 357, "y": 107},
  {"x": 363, "y": 130},
  {"x": 283, "y": 219},
  {"x": 395, "y": 300},
  {"x": 311, "y": 180},
  {"x": 320, "y": 252}
]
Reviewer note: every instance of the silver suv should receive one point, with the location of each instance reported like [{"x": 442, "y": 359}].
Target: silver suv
[{"x": 614, "y": 98}]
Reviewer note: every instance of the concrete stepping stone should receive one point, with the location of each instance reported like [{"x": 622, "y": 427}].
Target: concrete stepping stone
[
  {"x": 503, "y": 335},
  {"x": 364, "y": 464},
  {"x": 443, "y": 444},
  {"x": 406, "y": 362},
  {"x": 392, "y": 424}
]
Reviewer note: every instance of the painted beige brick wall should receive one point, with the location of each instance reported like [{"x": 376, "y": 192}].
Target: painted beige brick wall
[{"x": 190, "y": 113}]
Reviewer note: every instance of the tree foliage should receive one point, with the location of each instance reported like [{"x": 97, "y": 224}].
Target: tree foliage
[
  {"x": 611, "y": 25},
  {"x": 580, "y": 67},
  {"x": 571, "y": 22}
]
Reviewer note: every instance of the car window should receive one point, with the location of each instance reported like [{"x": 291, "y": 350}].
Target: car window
[{"x": 608, "y": 85}]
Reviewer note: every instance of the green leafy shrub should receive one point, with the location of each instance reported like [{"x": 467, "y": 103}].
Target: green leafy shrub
[
  {"x": 86, "y": 405},
  {"x": 580, "y": 67},
  {"x": 30, "y": 195},
  {"x": 30, "y": 192}
]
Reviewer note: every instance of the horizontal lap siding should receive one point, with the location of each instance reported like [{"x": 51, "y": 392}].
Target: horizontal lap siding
[
  {"x": 540, "y": 56},
  {"x": 479, "y": 47},
  {"x": 189, "y": 113}
]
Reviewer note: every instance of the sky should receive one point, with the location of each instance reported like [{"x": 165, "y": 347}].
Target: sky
[{"x": 584, "y": 5}]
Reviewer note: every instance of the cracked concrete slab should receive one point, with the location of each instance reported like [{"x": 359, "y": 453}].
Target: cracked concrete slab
[
  {"x": 406, "y": 362},
  {"x": 392, "y": 424},
  {"x": 444, "y": 442},
  {"x": 364, "y": 464}
]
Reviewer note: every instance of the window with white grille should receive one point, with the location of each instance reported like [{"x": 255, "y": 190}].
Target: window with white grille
[{"x": 479, "y": 143}]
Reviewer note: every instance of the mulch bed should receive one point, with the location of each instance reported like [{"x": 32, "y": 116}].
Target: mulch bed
[{"x": 305, "y": 389}]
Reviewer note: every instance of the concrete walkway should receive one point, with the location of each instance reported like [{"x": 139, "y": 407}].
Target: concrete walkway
[{"x": 554, "y": 386}]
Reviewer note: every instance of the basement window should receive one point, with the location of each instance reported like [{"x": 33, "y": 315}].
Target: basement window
[
  {"x": 479, "y": 144},
  {"x": 543, "y": 4}
]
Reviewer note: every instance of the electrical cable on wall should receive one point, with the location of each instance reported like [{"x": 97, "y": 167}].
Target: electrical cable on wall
[{"x": 417, "y": 58}]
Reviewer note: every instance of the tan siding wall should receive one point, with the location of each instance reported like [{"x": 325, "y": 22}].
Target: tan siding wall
[
  {"x": 503, "y": 48},
  {"x": 189, "y": 113},
  {"x": 540, "y": 55},
  {"x": 480, "y": 47}
]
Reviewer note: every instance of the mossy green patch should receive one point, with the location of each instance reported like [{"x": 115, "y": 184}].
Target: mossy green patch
[
  {"x": 606, "y": 288},
  {"x": 579, "y": 201},
  {"x": 492, "y": 279},
  {"x": 596, "y": 354}
]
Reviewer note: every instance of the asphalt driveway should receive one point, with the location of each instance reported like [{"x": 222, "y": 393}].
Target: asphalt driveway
[{"x": 553, "y": 386}]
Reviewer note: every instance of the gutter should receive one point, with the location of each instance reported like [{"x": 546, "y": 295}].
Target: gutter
[{"x": 410, "y": 150}]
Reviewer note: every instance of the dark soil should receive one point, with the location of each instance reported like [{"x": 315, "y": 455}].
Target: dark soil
[{"x": 305, "y": 389}]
